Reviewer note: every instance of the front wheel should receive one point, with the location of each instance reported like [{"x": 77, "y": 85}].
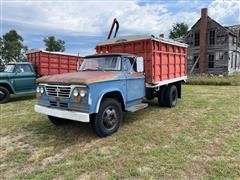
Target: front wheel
[
  {"x": 4, "y": 95},
  {"x": 58, "y": 121},
  {"x": 108, "y": 119}
]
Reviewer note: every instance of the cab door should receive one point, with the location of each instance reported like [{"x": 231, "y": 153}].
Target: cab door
[
  {"x": 135, "y": 81},
  {"x": 24, "y": 78}
]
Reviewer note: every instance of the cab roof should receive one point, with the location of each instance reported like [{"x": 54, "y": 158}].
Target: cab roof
[
  {"x": 110, "y": 54},
  {"x": 19, "y": 63}
]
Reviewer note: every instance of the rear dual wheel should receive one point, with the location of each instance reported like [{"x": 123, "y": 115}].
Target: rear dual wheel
[{"x": 168, "y": 96}]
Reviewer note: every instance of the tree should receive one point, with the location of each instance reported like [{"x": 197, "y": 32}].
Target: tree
[
  {"x": 12, "y": 48},
  {"x": 53, "y": 44},
  {"x": 178, "y": 30}
]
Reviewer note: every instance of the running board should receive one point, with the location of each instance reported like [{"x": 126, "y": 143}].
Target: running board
[{"x": 137, "y": 107}]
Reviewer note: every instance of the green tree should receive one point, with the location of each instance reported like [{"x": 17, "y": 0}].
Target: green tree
[
  {"x": 12, "y": 48},
  {"x": 178, "y": 30},
  {"x": 53, "y": 44}
]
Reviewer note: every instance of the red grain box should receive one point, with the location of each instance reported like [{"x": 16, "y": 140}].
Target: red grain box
[{"x": 163, "y": 59}]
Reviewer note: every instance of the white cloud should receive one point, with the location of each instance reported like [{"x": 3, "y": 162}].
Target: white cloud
[
  {"x": 95, "y": 17},
  {"x": 220, "y": 10}
]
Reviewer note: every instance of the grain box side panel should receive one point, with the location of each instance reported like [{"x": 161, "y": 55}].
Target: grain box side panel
[
  {"x": 169, "y": 61},
  {"x": 140, "y": 48}
]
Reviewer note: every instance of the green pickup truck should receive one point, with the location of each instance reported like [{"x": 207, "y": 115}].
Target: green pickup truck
[{"x": 17, "y": 78}]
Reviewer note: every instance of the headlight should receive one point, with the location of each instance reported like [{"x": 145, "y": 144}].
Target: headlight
[
  {"x": 79, "y": 92},
  {"x": 41, "y": 90},
  {"x": 83, "y": 93},
  {"x": 38, "y": 89},
  {"x": 75, "y": 92}
]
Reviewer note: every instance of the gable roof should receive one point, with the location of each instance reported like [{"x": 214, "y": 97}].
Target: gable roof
[
  {"x": 235, "y": 29},
  {"x": 226, "y": 28}
]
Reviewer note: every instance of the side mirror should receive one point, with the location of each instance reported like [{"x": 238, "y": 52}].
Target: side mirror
[{"x": 139, "y": 62}]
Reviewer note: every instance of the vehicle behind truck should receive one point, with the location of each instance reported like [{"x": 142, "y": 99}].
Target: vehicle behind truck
[
  {"x": 124, "y": 71},
  {"x": 17, "y": 78}
]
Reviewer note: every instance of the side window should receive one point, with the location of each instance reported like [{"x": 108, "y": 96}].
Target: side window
[
  {"x": 23, "y": 68},
  {"x": 129, "y": 64},
  {"x": 133, "y": 64}
]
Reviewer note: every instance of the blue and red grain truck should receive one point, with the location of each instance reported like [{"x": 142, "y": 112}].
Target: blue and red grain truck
[{"x": 117, "y": 78}]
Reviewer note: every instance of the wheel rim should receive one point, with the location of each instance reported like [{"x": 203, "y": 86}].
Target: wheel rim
[
  {"x": 174, "y": 97},
  {"x": 2, "y": 95},
  {"x": 109, "y": 118}
]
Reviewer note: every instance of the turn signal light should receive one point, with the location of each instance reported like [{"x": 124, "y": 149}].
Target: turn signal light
[
  {"x": 78, "y": 98},
  {"x": 38, "y": 94}
]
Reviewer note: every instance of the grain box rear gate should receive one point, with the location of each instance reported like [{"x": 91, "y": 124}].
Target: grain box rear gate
[
  {"x": 163, "y": 59},
  {"x": 49, "y": 63}
]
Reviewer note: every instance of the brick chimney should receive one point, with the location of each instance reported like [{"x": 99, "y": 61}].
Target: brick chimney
[{"x": 203, "y": 41}]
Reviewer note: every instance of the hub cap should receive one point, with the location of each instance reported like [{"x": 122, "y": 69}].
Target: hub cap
[{"x": 109, "y": 118}]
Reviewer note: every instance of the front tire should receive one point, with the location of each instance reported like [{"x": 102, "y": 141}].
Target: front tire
[
  {"x": 4, "y": 95},
  {"x": 108, "y": 119},
  {"x": 58, "y": 121}
]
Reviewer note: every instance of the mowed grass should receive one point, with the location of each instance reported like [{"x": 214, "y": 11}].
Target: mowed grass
[
  {"x": 231, "y": 80},
  {"x": 200, "y": 138}
]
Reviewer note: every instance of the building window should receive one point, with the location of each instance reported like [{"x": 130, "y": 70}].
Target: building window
[
  {"x": 236, "y": 60},
  {"x": 232, "y": 60},
  {"x": 197, "y": 39},
  {"x": 219, "y": 55},
  {"x": 212, "y": 37},
  {"x": 211, "y": 61},
  {"x": 194, "y": 60},
  {"x": 234, "y": 40}
]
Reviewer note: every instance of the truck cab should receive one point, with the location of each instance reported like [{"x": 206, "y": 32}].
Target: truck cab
[
  {"x": 17, "y": 78},
  {"x": 106, "y": 85}
]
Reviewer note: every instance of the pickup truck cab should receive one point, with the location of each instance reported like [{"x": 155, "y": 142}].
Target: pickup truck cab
[
  {"x": 105, "y": 86},
  {"x": 17, "y": 78}
]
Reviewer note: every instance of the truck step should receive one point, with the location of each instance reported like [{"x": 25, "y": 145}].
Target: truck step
[{"x": 137, "y": 107}]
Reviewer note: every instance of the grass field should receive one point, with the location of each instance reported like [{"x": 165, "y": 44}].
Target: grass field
[
  {"x": 200, "y": 138},
  {"x": 231, "y": 80}
]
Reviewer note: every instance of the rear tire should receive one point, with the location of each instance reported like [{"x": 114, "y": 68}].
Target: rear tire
[
  {"x": 108, "y": 119},
  {"x": 162, "y": 96},
  {"x": 171, "y": 96},
  {"x": 58, "y": 121},
  {"x": 4, "y": 95}
]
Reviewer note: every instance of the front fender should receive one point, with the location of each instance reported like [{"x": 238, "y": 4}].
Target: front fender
[
  {"x": 103, "y": 92},
  {"x": 6, "y": 83}
]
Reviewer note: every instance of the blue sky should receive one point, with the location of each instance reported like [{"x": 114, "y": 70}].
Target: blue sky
[{"x": 83, "y": 24}]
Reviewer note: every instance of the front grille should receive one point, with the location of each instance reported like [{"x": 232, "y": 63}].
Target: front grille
[
  {"x": 58, "y": 104},
  {"x": 58, "y": 91},
  {"x": 64, "y": 105},
  {"x": 53, "y": 103}
]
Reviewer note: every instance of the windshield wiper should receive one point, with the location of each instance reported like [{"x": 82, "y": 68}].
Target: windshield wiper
[
  {"x": 89, "y": 69},
  {"x": 99, "y": 68}
]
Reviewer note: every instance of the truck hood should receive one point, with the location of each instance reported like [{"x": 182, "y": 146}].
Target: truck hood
[
  {"x": 4, "y": 75},
  {"x": 84, "y": 77}
]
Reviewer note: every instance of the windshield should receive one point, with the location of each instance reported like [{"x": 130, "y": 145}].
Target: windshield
[
  {"x": 9, "y": 68},
  {"x": 106, "y": 63}
]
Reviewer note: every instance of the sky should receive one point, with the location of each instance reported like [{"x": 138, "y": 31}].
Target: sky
[{"x": 83, "y": 24}]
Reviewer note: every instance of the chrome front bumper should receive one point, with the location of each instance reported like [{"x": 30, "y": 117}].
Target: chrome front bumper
[{"x": 71, "y": 115}]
